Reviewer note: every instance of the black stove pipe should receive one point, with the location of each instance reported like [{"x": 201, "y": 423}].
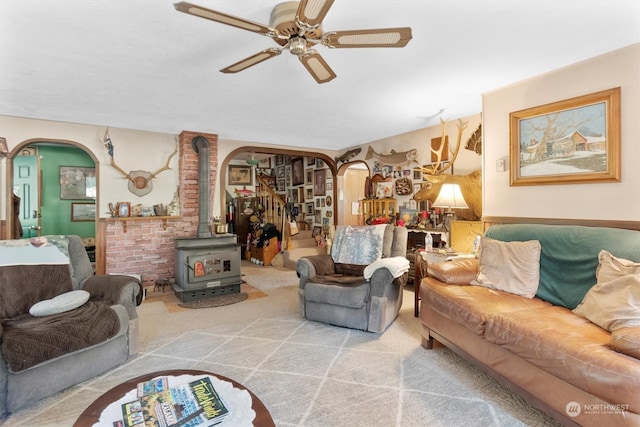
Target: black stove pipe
[{"x": 200, "y": 145}]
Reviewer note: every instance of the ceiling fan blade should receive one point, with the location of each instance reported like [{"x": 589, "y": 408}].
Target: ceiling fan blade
[
  {"x": 378, "y": 37},
  {"x": 312, "y": 12},
  {"x": 223, "y": 18},
  {"x": 252, "y": 60},
  {"x": 317, "y": 66}
]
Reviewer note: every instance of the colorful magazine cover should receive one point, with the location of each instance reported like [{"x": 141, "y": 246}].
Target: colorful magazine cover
[
  {"x": 155, "y": 385},
  {"x": 194, "y": 404}
]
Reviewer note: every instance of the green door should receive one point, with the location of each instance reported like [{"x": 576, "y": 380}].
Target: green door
[{"x": 25, "y": 186}]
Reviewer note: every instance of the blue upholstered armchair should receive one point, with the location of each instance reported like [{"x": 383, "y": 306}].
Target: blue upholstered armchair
[{"x": 359, "y": 285}]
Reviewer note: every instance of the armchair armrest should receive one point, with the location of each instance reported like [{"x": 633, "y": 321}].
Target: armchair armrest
[
  {"x": 383, "y": 278},
  {"x": 115, "y": 289},
  {"x": 397, "y": 266},
  {"x": 314, "y": 265}
]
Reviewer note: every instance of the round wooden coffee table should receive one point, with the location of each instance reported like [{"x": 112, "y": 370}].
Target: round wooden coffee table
[{"x": 91, "y": 415}]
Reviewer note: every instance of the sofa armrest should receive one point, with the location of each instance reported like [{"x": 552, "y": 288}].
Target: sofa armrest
[
  {"x": 627, "y": 341},
  {"x": 115, "y": 289},
  {"x": 455, "y": 272},
  {"x": 315, "y": 265}
]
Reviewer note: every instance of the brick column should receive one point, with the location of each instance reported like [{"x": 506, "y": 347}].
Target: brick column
[{"x": 147, "y": 246}]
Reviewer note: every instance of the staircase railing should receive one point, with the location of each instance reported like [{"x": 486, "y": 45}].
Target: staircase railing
[{"x": 274, "y": 209}]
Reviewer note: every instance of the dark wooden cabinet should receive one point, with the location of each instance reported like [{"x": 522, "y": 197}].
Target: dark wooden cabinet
[{"x": 244, "y": 209}]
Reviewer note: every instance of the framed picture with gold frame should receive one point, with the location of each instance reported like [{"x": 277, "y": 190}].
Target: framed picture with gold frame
[
  {"x": 240, "y": 175},
  {"x": 83, "y": 212},
  {"x": 77, "y": 183},
  {"x": 572, "y": 141}
]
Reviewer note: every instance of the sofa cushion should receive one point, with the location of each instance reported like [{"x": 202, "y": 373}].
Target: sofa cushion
[
  {"x": 512, "y": 267},
  {"x": 570, "y": 348},
  {"x": 28, "y": 341},
  {"x": 627, "y": 341},
  {"x": 614, "y": 304},
  {"x": 353, "y": 294},
  {"x": 611, "y": 267},
  {"x": 471, "y": 306},
  {"x": 454, "y": 272},
  {"x": 59, "y": 304},
  {"x": 569, "y": 255},
  {"x": 22, "y": 286},
  {"x": 31, "y": 272}
]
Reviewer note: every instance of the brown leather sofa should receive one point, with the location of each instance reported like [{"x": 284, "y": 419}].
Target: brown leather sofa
[{"x": 557, "y": 360}]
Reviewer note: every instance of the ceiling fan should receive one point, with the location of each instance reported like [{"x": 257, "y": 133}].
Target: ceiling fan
[{"x": 297, "y": 26}]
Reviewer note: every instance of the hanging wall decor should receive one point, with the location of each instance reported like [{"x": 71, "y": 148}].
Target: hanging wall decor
[
  {"x": 566, "y": 142},
  {"x": 139, "y": 180}
]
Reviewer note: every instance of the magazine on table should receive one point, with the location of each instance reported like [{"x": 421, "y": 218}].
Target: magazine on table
[{"x": 196, "y": 403}]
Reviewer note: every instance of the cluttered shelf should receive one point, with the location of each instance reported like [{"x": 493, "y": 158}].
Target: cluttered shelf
[{"x": 125, "y": 219}]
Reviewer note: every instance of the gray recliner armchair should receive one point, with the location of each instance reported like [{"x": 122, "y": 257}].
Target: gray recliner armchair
[
  {"x": 359, "y": 285},
  {"x": 44, "y": 353}
]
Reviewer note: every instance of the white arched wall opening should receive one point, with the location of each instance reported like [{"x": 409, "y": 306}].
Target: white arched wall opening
[{"x": 350, "y": 180}]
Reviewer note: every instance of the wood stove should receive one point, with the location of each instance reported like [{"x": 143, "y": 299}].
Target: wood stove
[{"x": 207, "y": 265}]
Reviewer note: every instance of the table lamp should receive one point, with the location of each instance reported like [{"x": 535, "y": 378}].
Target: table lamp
[{"x": 450, "y": 197}]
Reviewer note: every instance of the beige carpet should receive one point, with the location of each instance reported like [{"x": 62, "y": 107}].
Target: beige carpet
[{"x": 308, "y": 374}]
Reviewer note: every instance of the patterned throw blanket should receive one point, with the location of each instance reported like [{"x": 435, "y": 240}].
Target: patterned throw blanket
[
  {"x": 31, "y": 272},
  {"x": 28, "y": 340}
]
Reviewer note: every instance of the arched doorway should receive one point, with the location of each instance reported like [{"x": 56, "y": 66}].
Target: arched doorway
[
  {"x": 247, "y": 152},
  {"x": 350, "y": 180},
  {"x": 56, "y": 183}
]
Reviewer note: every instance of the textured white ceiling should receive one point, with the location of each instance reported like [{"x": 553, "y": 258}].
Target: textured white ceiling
[{"x": 140, "y": 64}]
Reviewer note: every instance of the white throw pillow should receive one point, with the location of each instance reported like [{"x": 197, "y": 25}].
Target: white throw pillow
[
  {"x": 512, "y": 267},
  {"x": 63, "y": 302},
  {"x": 610, "y": 267},
  {"x": 613, "y": 305}
]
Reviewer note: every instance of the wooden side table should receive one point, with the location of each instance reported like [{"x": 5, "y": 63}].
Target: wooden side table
[{"x": 422, "y": 260}]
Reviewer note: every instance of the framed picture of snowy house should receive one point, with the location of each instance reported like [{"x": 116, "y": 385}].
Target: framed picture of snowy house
[{"x": 576, "y": 140}]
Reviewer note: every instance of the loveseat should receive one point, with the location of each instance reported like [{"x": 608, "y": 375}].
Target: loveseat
[
  {"x": 47, "y": 345},
  {"x": 359, "y": 285},
  {"x": 552, "y": 312}
]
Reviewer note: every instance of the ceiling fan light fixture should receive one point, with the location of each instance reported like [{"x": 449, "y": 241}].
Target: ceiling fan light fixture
[{"x": 298, "y": 46}]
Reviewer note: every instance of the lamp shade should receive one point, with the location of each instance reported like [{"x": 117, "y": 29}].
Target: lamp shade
[{"x": 450, "y": 197}]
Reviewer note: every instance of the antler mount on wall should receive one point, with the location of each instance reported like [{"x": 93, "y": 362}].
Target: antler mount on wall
[{"x": 139, "y": 180}]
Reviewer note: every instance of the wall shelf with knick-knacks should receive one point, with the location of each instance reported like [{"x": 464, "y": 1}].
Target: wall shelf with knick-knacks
[{"x": 124, "y": 220}]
